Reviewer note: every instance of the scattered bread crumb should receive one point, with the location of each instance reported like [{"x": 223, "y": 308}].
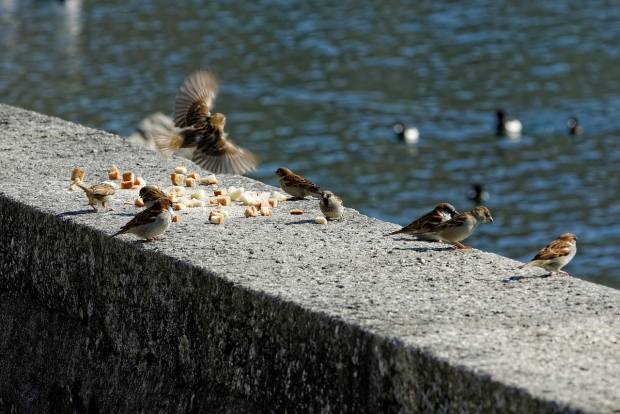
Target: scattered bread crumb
[
  {"x": 77, "y": 174},
  {"x": 251, "y": 212},
  {"x": 224, "y": 200},
  {"x": 195, "y": 176},
  {"x": 177, "y": 179}
]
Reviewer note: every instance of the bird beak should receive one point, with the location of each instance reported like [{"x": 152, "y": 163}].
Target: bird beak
[{"x": 491, "y": 219}]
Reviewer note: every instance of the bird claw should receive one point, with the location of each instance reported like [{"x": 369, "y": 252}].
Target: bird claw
[{"x": 459, "y": 246}]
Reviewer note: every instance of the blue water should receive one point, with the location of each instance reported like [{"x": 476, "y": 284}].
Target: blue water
[{"x": 317, "y": 86}]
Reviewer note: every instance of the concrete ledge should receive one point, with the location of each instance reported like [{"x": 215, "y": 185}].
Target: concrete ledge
[{"x": 269, "y": 314}]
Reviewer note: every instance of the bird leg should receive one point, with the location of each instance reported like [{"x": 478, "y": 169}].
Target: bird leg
[
  {"x": 563, "y": 273},
  {"x": 459, "y": 246},
  {"x": 109, "y": 208},
  {"x": 341, "y": 218},
  {"x": 93, "y": 206}
]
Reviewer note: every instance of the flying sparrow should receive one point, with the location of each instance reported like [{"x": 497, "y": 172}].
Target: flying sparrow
[
  {"x": 99, "y": 194},
  {"x": 151, "y": 222},
  {"x": 150, "y": 194},
  {"x": 428, "y": 221},
  {"x": 556, "y": 255},
  {"x": 203, "y": 131},
  {"x": 331, "y": 205},
  {"x": 296, "y": 185},
  {"x": 458, "y": 227}
]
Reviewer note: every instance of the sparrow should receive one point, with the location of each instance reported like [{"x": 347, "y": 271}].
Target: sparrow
[
  {"x": 428, "y": 221},
  {"x": 150, "y": 194},
  {"x": 296, "y": 185},
  {"x": 556, "y": 255},
  {"x": 573, "y": 126},
  {"x": 99, "y": 194},
  {"x": 204, "y": 132},
  {"x": 508, "y": 127},
  {"x": 151, "y": 222},
  {"x": 458, "y": 227},
  {"x": 331, "y": 205},
  {"x": 408, "y": 135}
]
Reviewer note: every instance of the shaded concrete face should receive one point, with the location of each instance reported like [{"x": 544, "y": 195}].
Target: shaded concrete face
[{"x": 270, "y": 313}]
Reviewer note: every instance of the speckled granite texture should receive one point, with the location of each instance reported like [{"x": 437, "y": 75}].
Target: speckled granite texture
[{"x": 271, "y": 313}]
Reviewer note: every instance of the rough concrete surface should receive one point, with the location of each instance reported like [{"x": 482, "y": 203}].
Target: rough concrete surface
[{"x": 270, "y": 313}]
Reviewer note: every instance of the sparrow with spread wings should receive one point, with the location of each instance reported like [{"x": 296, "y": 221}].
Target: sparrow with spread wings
[{"x": 205, "y": 132}]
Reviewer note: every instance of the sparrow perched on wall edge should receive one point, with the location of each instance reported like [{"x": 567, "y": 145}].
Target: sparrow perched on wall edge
[
  {"x": 296, "y": 185},
  {"x": 151, "y": 222},
  {"x": 331, "y": 205},
  {"x": 458, "y": 227},
  {"x": 556, "y": 255},
  {"x": 428, "y": 221},
  {"x": 99, "y": 194},
  {"x": 150, "y": 194}
]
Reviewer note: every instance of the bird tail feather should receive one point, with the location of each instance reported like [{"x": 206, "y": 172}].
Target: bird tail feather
[{"x": 167, "y": 144}]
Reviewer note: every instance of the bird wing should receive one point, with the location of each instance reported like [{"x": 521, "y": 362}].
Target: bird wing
[
  {"x": 557, "y": 248},
  {"x": 220, "y": 155},
  {"x": 456, "y": 221},
  {"x": 144, "y": 217},
  {"x": 196, "y": 98},
  {"x": 428, "y": 221},
  {"x": 102, "y": 189},
  {"x": 294, "y": 180}
]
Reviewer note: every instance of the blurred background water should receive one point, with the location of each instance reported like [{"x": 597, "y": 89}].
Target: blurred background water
[{"x": 317, "y": 86}]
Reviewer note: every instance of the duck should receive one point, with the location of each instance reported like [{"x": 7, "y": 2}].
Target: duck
[
  {"x": 477, "y": 194},
  {"x": 573, "y": 126},
  {"x": 508, "y": 127},
  {"x": 408, "y": 135}
]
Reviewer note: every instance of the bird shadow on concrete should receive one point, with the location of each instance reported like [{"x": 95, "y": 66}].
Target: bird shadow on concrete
[
  {"x": 518, "y": 277},
  {"x": 425, "y": 249},
  {"x": 76, "y": 213},
  {"x": 299, "y": 222},
  {"x": 404, "y": 239},
  {"x": 126, "y": 214}
]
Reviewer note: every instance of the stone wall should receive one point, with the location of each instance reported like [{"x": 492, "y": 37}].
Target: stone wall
[{"x": 271, "y": 314}]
